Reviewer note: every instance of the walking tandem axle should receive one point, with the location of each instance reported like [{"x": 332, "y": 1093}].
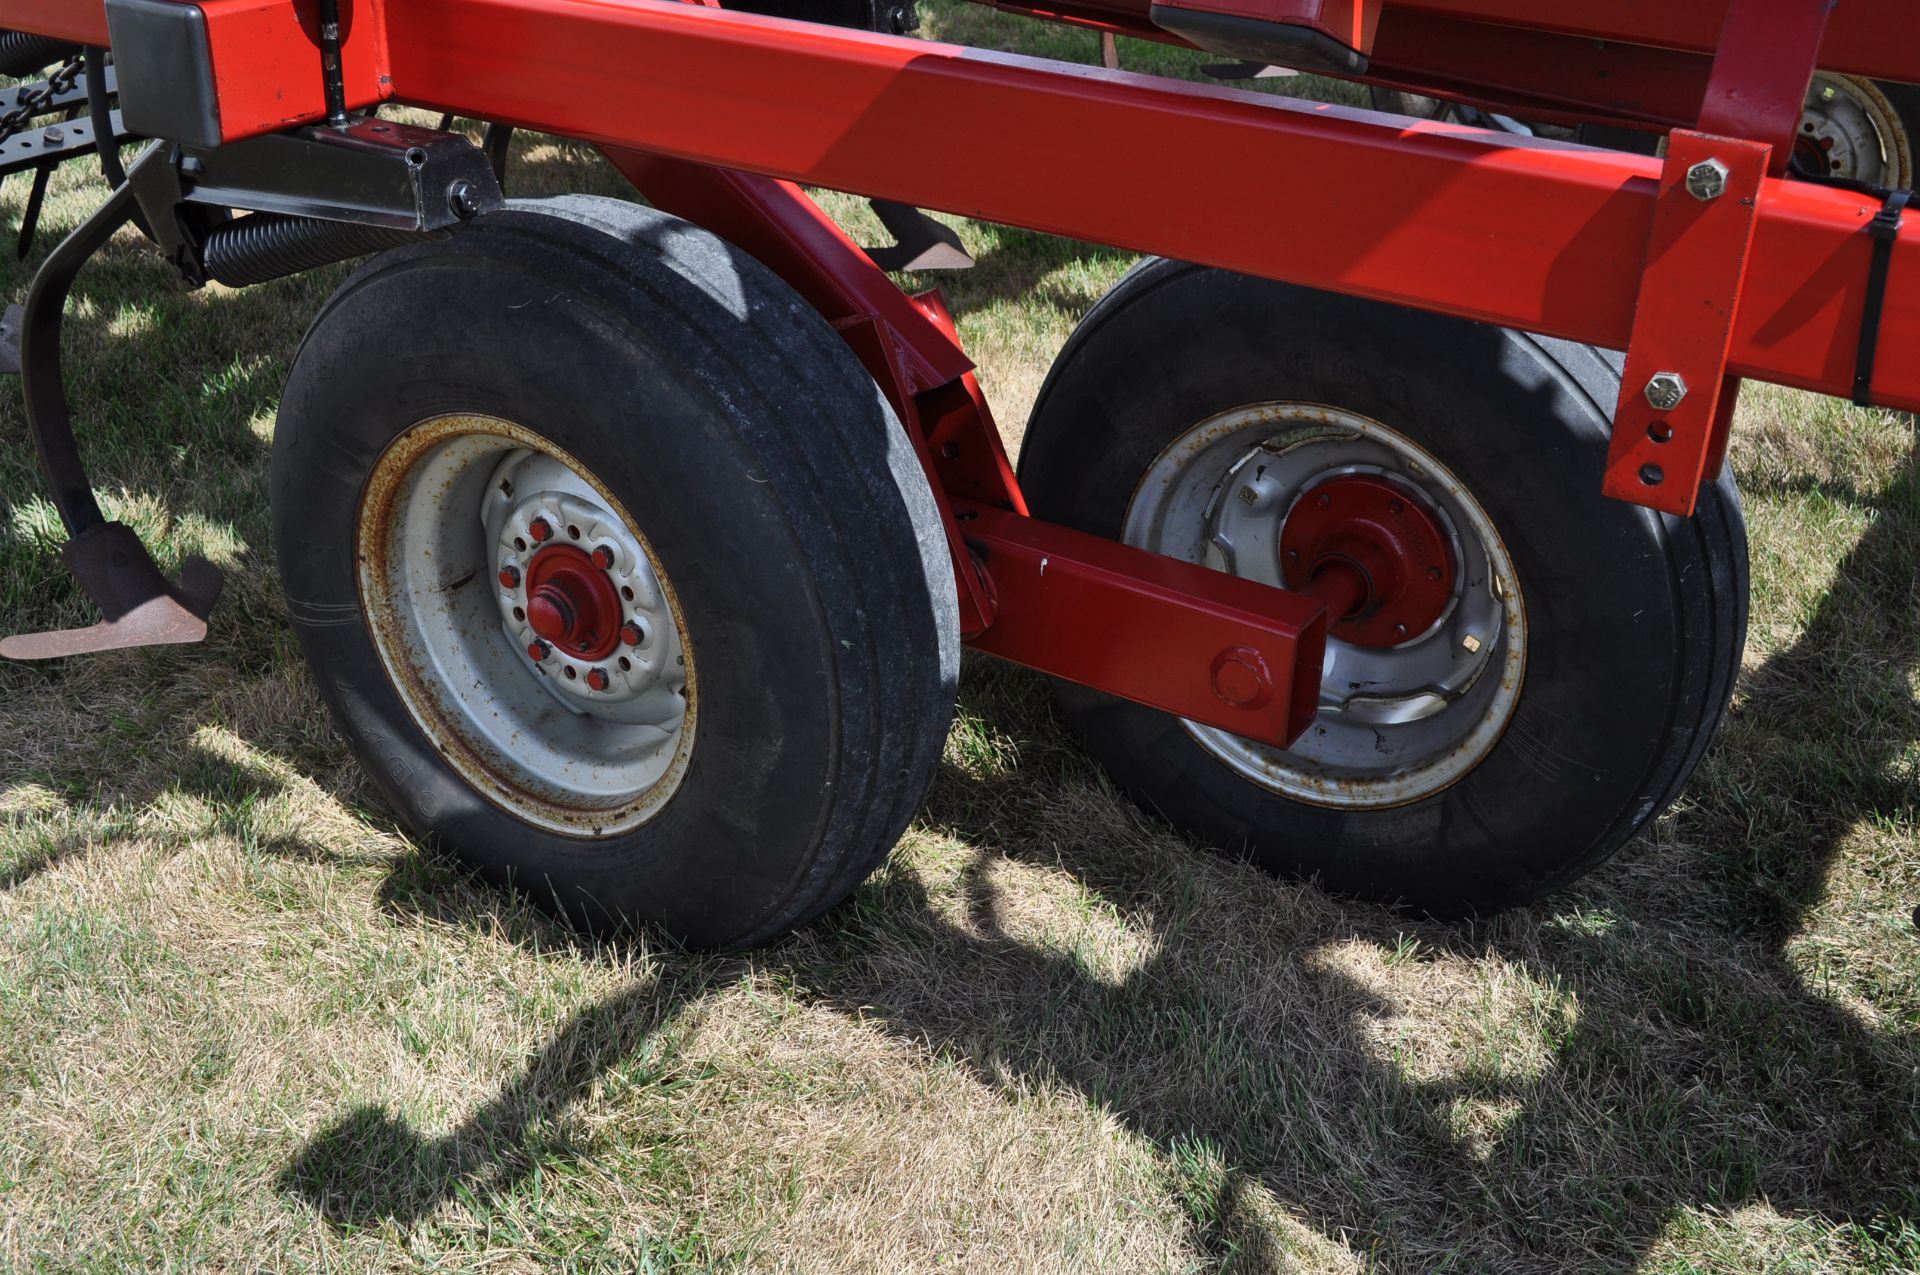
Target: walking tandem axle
[{"x": 1333, "y": 512}]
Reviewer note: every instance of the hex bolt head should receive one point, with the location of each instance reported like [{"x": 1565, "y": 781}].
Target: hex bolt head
[
  {"x": 1707, "y": 180},
  {"x": 1240, "y": 678},
  {"x": 1665, "y": 390},
  {"x": 463, "y": 200},
  {"x": 537, "y": 649},
  {"x": 597, "y": 678},
  {"x": 630, "y": 633},
  {"x": 509, "y": 577},
  {"x": 603, "y": 557},
  {"x": 541, "y": 530}
]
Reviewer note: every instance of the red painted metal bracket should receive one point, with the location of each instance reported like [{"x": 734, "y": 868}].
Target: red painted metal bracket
[
  {"x": 1174, "y": 636},
  {"x": 1206, "y": 645},
  {"x": 1761, "y": 69},
  {"x": 1676, "y": 398}
]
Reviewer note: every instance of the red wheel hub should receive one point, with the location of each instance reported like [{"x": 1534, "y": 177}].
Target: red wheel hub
[
  {"x": 1366, "y": 537},
  {"x": 572, "y": 604}
]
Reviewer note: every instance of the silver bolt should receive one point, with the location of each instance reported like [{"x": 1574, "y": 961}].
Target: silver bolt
[
  {"x": 1665, "y": 391},
  {"x": 1707, "y": 180}
]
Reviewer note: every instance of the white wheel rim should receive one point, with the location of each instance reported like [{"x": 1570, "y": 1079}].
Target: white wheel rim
[
  {"x": 573, "y": 741},
  {"x": 1395, "y": 725}
]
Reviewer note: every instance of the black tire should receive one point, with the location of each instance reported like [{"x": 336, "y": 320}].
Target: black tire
[
  {"x": 1413, "y": 105},
  {"x": 1636, "y": 620},
  {"x": 778, "y": 491}
]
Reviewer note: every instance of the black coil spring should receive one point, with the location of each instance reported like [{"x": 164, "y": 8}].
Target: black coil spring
[
  {"x": 23, "y": 54},
  {"x": 263, "y": 246}
]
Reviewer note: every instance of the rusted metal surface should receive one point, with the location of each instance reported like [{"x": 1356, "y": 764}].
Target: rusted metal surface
[
  {"x": 142, "y": 607},
  {"x": 479, "y": 734}
]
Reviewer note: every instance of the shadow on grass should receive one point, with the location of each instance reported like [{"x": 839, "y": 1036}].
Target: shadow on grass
[{"x": 1697, "y": 1071}]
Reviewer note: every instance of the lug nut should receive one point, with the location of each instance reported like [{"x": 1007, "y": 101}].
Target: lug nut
[
  {"x": 509, "y": 577},
  {"x": 597, "y": 678},
  {"x": 603, "y": 557},
  {"x": 630, "y": 633},
  {"x": 537, "y": 649},
  {"x": 541, "y": 530}
]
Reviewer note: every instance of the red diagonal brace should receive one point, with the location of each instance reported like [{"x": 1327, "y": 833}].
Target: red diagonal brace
[{"x": 1683, "y": 323}]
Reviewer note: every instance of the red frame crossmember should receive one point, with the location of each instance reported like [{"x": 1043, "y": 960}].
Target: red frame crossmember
[{"x": 1683, "y": 324}]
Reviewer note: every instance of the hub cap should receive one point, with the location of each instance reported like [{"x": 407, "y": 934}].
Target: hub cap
[
  {"x": 1387, "y": 535},
  {"x": 526, "y": 624},
  {"x": 1422, "y": 673}
]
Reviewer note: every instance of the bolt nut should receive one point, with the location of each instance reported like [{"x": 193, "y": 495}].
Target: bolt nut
[
  {"x": 463, "y": 200},
  {"x": 630, "y": 633},
  {"x": 509, "y": 577},
  {"x": 1665, "y": 390},
  {"x": 1707, "y": 180},
  {"x": 597, "y": 678},
  {"x": 603, "y": 557},
  {"x": 537, "y": 649},
  {"x": 541, "y": 530}
]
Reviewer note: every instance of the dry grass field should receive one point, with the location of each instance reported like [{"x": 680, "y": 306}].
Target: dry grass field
[{"x": 245, "y": 1024}]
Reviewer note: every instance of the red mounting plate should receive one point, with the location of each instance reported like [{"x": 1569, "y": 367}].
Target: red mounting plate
[{"x": 1683, "y": 321}]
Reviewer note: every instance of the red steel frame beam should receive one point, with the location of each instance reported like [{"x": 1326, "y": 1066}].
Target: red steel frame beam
[
  {"x": 1513, "y": 231},
  {"x": 1526, "y": 234}
]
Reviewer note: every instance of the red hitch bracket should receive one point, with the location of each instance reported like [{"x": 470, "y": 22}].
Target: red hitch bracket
[{"x": 1676, "y": 398}]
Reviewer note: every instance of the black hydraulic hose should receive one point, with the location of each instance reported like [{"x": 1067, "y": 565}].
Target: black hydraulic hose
[
  {"x": 263, "y": 246},
  {"x": 23, "y": 54}
]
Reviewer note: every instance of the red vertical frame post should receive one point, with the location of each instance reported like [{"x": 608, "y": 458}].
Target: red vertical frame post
[{"x": 1676, "y": 397}]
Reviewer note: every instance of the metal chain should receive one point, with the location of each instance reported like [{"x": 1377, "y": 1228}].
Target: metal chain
[{"x": 33, "y": 104}]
